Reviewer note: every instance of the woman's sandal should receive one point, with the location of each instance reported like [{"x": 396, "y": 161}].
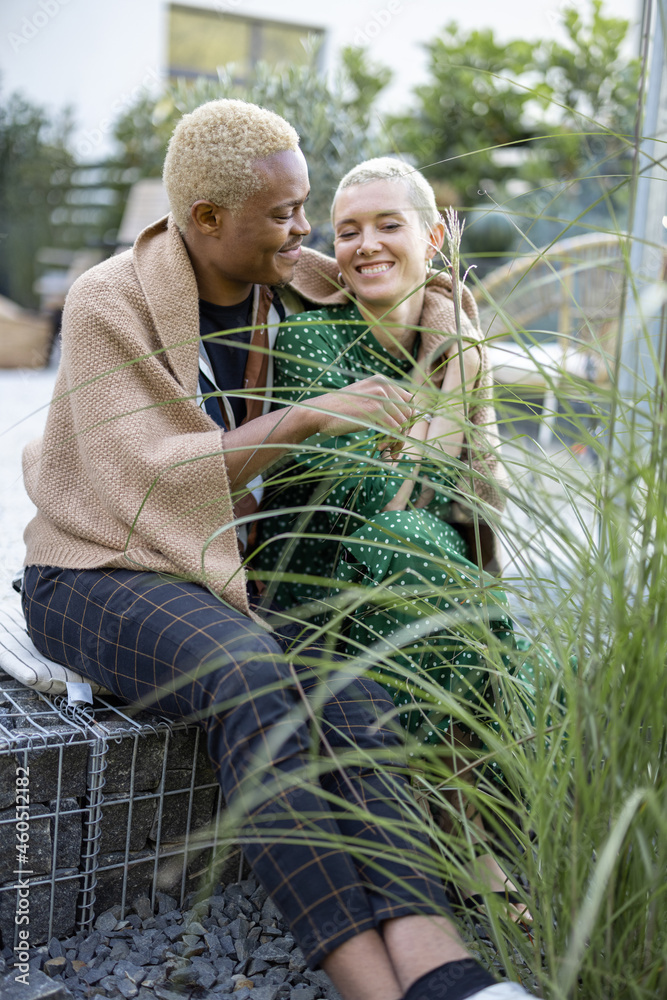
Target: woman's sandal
[
  {"x": 477, "y": 901},
  {"x": 516, "y": 909},
  {"x": 476, "y": 906}
]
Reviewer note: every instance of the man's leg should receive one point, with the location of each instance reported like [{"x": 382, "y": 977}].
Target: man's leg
[
  {"x": 178, "y": 650},
  {"x": 375, "y": 808},
  {"x": 156, "y": 640}
]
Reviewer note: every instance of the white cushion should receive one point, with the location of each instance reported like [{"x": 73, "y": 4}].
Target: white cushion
[
  {"x": 19, "y": 657},
  {"x": 541, "y": 365}
]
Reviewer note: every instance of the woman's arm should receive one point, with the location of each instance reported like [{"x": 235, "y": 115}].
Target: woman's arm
[
  {"x": 312, "y": 363},
  {"x": 412, "y": 452},
  {"x": 446, "y": 430}
]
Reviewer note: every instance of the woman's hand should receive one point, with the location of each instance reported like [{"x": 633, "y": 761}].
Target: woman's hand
[
  {"x": 472, "y": 363},
  {"x": 443, "y": 430},
  {"x": 376, "y": 401},
  {"x": 412, "y": 452}
]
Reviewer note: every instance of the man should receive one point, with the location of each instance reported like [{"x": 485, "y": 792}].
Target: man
[{"x": 134, "y": 576}]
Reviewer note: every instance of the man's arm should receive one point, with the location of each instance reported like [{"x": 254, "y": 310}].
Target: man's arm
[{"x": 373, "y": 402}]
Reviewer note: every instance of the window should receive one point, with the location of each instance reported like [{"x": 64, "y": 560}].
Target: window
[{"x": 201, "y": 40}]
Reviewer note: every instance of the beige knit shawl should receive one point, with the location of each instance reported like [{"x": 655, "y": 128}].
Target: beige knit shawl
[{"x": 130, "y": 472}]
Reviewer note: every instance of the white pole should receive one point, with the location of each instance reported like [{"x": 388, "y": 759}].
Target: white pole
[{"x": 642, "y": 346}]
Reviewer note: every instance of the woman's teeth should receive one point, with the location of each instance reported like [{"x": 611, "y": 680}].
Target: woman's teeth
[{"x": 375, "y": 269}]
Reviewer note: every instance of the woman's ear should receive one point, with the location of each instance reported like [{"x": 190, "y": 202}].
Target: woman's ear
[{"x": 436, "y": 237}]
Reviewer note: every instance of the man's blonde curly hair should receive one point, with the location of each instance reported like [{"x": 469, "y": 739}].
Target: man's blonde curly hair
[{"x": 212, "y": 153}]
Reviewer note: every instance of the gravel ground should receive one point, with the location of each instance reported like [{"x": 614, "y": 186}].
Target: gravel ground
[{"x": 234, "y": 944}]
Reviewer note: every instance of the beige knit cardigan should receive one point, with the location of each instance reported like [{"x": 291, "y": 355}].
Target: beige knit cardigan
[{"x": 130, "y": 472}]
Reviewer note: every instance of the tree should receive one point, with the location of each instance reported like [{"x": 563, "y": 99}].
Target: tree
[
  {"x": 366, "y": 80},
  {"x": 332, "y": 119},
  {"x": 543, "y": 127},
  {"x": 593, "y": 90},
  {"x": 473, "y": 103},
  {"x": 589, "y": 74},
  {"x": 35, "y": 175},
  {"x": 552, "y": 101}
]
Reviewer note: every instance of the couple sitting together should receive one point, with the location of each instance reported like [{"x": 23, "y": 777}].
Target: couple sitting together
[{"x": 359, "y": 437}]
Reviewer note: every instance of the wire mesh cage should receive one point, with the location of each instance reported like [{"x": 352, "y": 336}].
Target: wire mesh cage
[{"x": 97, "y": 807}]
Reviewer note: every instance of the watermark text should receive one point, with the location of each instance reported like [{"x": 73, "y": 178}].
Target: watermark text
[
  {"x": 31, "y": 26},
  {"x": 22, "y": 917}
]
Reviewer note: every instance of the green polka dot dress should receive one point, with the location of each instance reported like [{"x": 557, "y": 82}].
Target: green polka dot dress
[{"x": 418, "y": 609}]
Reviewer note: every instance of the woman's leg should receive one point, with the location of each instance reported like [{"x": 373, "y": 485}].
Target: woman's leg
[
  {"x": 376, "y": 966},
  {"x": 450, "y": 659},
  {"x": 487, "y": 873}
]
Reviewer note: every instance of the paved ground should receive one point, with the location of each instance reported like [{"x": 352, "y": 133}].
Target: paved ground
[{"x": 24, "y": 398}]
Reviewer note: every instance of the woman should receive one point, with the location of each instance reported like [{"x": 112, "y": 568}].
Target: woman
[
  {"x": 362, "y": 543},
  {"x": 357, "y": 519},
  {"x": 379, "y": 520}
]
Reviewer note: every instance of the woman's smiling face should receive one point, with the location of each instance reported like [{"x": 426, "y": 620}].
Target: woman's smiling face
[{"x": 381, "y": 243}]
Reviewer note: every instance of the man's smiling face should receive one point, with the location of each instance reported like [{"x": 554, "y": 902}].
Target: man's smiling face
[{"x": 260, "y": 242}]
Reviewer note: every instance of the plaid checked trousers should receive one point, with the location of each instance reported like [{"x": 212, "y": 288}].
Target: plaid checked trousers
[{"x": 320, "y": 834}]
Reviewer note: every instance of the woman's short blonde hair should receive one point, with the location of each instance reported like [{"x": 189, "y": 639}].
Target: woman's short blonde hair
[
  {"x": 212, "y": 154},
  {"x": 387, "y": 168}
]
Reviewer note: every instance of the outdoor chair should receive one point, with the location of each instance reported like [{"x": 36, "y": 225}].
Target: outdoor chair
[{"x": 551, "y": 319}]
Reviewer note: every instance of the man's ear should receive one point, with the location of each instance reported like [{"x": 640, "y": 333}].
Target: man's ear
[
  {"x": 436, "y": 238},
  {"x": 206, "y": 217}
]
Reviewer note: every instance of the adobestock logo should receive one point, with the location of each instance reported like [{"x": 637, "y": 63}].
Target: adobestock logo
[
  {"x": 380, "y": 19},
  {"x": 31, "y": 26}
]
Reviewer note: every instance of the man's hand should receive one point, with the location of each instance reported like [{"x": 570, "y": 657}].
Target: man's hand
[{"x": 376, "y": 401}]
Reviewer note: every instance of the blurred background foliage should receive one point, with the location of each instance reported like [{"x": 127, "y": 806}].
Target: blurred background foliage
[
  {"x": 35, "y": 175},
  {"x": 521, "y": 136},
  {"x": 545, "y": 98},
  {"x": 543, "y": 128},
  {"x": 332, "y": 117}
]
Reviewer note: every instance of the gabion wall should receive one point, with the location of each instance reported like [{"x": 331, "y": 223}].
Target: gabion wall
[{"x": 97, "y": 807}]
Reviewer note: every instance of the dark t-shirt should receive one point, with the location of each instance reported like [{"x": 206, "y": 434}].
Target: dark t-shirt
[{"x": 226, "y": 354}]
